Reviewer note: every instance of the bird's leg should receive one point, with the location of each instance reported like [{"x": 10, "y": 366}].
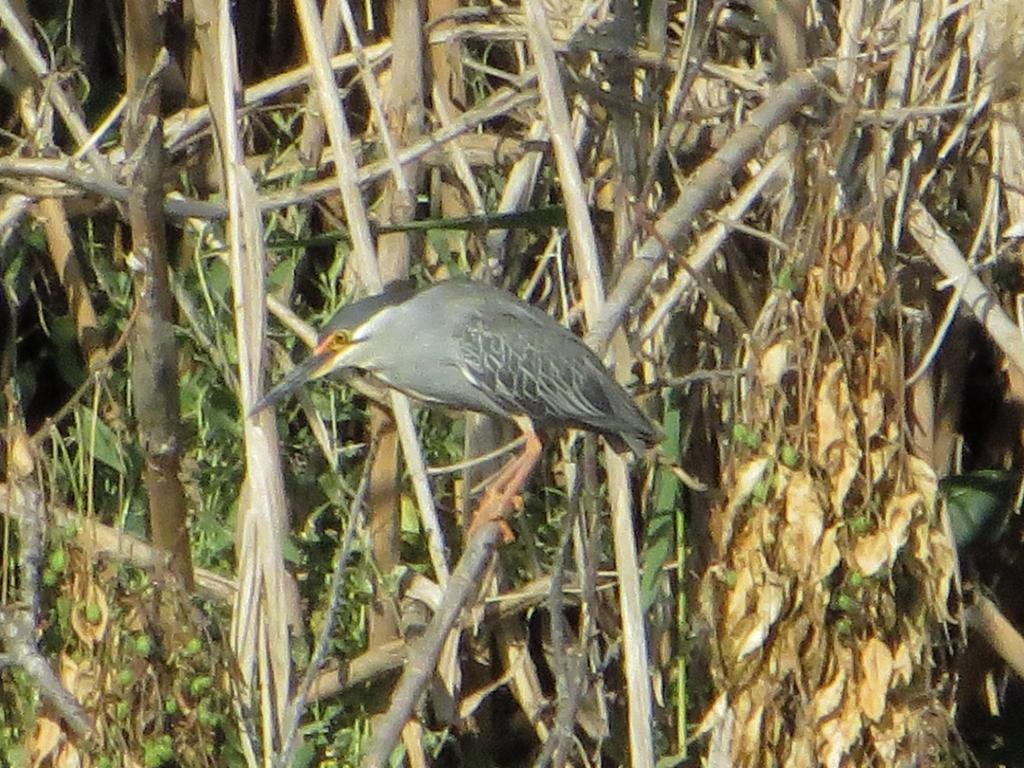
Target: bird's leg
[
  {"x": 503, "y": 491},
  {"x": 510, "y": 481}
]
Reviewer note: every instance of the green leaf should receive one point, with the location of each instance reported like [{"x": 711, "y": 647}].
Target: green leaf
[
  {"x": 67, "y": 356},
  {"x": 282, "y": 274},
  {"x": 303, "y": 755},
  {"x": 290, "y": 551},
  {"x": 742, "y": 434},
  {"x": 670, "y": 761},
  {"x": 218, "y": 279},
  {"x": 789, "y": 456},
  {"x": 157, "y": 752},
  {"x": 980, "y": 504},
  {"x": 660, "y": 539},
  {"x": 101, "y": 439},
  {"x": 440, "y": 244}
]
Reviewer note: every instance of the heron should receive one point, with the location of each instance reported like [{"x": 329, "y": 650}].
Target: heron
[{"x": 466, "y": 345}]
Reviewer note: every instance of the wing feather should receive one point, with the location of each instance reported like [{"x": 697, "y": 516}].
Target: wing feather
[{"x": 512, "y": 359}]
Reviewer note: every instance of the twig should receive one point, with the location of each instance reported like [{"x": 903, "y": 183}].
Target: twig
[
  {"x": 586, "y": 259},
  {"x": 179, "y": 207},
  {"x": 448, "y": 469},
  {"x": 12, "y": 208},
  {"x": 952, "y": 306},
  {"x": 101, "y": 370},
  {"x": 993, "y": 625},
  {"x": 682, "y": 83},
  {"x": 69, "y": 110},
  {"x": 346, "y": 177},
  {"x": 943, "y": 252},
  {"x": 373, "y": 95},
  {"x": 17, "y": 632},
  {"x": 17, "y": 625},
  {"x": 711, "y": 293},
  {"x": 462, "y": 587},
  {"x": 709, "y": 243},
  {"x": 706, "y": 185},
  {"x": 567, "y": 674},
  {"x": 186, "y": 123}
]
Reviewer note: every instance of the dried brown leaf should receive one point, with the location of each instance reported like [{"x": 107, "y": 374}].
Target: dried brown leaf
[
  {"x": 749, "y": 711},
  {"x": 742, "y": 487},
  {"x": 737, "y": 605},
  {"x": 871, "y": 553},
  {"x": 804, "y": 524},
  {"x": 747, "y": 478},
  {"x": 872, "y": 414},
  {"x": 837, "y": 734},
  {"x": 889, "y": 735},
  {"x": 852, "y": 255},
  {"x": 793, "y": 634},
  {"x": 80, "y": 678},
  {"x": 828, "y": 697},
  {"x": 931, "y": 547},
  {"x": 816, "y": 297},
  {"x": 44, "y": 740},
  {"x": 90, "y": 615},
  {"x": 801, "y": 751},
  {"x": 713, "y": 717},
  {"x": 880, "y": 458},
  {"x": 923, "y": 475},
  {"x": 68, "y": 757},
  {"x": 752, "y": 631},
  {"x": 773, "y": 364},
  {"x": 902, "y": 665},
  {"x": 837, "y": 451},
  {"x": 877, "y": 550},
  {"x": 20, "y": 463},
  {"x": 876, "y": 669},
  {"x": 828, "y": 554}
]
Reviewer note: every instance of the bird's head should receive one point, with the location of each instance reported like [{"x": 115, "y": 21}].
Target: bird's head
[{"x": 343, "y": 343}]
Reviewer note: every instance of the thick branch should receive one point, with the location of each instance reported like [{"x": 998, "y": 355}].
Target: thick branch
[{"x": 154, "y": 358}]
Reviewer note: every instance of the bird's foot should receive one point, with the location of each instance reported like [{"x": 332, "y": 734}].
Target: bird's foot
[
  {"x": 503, "y": 495},
  {"x": 488, "y": 514}
]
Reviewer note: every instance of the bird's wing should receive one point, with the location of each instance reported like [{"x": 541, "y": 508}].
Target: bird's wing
[{"x": 532, "y": 367}]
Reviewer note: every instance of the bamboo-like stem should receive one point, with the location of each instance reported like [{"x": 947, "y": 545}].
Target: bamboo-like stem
[
  {"x": 262, "y": 612},
  {"x": 154, "y": 350}
]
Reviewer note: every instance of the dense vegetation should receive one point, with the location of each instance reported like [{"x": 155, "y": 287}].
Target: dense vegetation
[{"x": 793, "y": 231}]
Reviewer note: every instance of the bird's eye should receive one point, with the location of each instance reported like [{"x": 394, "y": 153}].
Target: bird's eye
[{"x": 338, "y": 341}]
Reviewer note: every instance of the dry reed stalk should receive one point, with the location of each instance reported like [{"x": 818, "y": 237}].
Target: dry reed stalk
[{"x": 262, "y": 611}]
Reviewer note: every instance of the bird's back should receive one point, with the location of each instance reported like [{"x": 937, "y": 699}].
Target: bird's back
[{"x": 527, "y": 363}]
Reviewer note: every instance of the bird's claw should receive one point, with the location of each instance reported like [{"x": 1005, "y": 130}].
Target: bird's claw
[{"x": 485, "y": 515}]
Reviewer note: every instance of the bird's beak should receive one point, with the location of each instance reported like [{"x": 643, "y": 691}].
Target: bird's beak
[{"x": 321, "y": 361}]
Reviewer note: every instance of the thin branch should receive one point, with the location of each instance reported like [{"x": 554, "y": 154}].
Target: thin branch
[
  {"x": 18, "y": 624},
  {"x": 943, "y": 252},
  {"x": 706, "y": 184},
  {"x": 70, "y": 111},
  {"x": 462, "y": 588}
]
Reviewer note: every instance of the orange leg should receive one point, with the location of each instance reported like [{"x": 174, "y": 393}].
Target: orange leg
[{"x": 503, "y": 492}]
